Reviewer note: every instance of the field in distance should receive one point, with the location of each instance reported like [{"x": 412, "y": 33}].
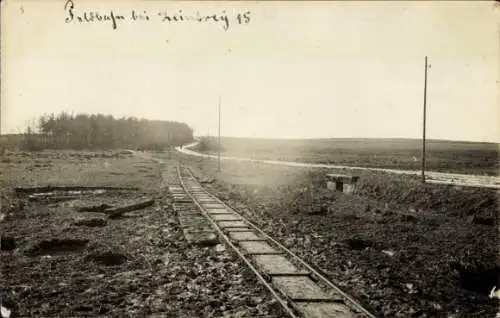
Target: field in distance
[{"x": 405, "y": 154}]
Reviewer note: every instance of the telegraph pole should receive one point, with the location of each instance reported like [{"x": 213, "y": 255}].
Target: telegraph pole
[
  {"x": 218, "y": 147},
  {"x": 208, "y": 144},
  {"x": 424, "y": 122},
  {"x": 170, "y": 145}
]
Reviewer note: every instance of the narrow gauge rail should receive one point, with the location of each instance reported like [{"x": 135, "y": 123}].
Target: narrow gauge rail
[{"x": 300, "y": 289}]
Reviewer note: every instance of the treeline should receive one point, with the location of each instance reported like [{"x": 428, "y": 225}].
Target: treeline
[{"x": 84, "y": 131}]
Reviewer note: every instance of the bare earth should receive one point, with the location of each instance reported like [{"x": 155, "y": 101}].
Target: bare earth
[
  {"x": 400, "y": 250},
  {"x": 57, "y": 261},
  {"x": 470, "y": 179}
]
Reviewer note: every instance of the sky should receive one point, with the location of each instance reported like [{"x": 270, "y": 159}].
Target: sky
[{"x": 295, "y": 70}]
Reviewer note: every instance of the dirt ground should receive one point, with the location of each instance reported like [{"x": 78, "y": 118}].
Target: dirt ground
[
  {"x": 430, "y": 252},
  {"x": 400, "y": 253},
  {"x": 59, "y": 262}
]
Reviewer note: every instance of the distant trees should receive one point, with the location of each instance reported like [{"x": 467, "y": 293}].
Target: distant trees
[{"x": 105, "y": 132}]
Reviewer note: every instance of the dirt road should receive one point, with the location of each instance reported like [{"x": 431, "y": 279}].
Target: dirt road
[{"x": 432, "y": 176}]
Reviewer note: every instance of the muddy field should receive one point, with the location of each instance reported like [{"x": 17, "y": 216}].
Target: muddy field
[
  {"x": 401, "y": 249},
  {"x": 72, "y": 251},
  {"x": 405, "y": 154}
]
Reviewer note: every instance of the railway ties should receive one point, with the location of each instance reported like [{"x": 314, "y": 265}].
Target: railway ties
[
  {"x": 194, "y": 225},
  {"x": 299, "y": 288}
]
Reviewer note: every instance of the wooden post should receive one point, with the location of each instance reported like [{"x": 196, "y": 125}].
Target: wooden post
[
  {"x": 208, "y": 145},
  {"x": 218, "y": 146},
  {"x": 424, "y": 122},
  {"x": 170, "y": 145}
]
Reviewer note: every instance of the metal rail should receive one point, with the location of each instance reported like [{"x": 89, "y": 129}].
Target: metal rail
[
  {"x": 283, "y": 300},
  {"x": 314, "y": 271},
  {"x": 280, "y": 299}
]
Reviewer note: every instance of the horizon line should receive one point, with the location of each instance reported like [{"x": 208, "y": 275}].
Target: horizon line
[{"x": 350, "y": 138}]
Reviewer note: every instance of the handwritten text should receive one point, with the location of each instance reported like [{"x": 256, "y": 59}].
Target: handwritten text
[{"x": 114, "y": 18}]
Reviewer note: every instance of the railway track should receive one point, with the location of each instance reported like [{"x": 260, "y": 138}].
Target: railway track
[{"x": 301, "y": 290}]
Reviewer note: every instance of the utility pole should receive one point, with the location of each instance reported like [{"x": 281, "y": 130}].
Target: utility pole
[
  {"x": 208, "y": 144},
  {"x": 424, "y": 122},
  {"x": 170, "y": 145},
  {"x": 218, "y": 147}
]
